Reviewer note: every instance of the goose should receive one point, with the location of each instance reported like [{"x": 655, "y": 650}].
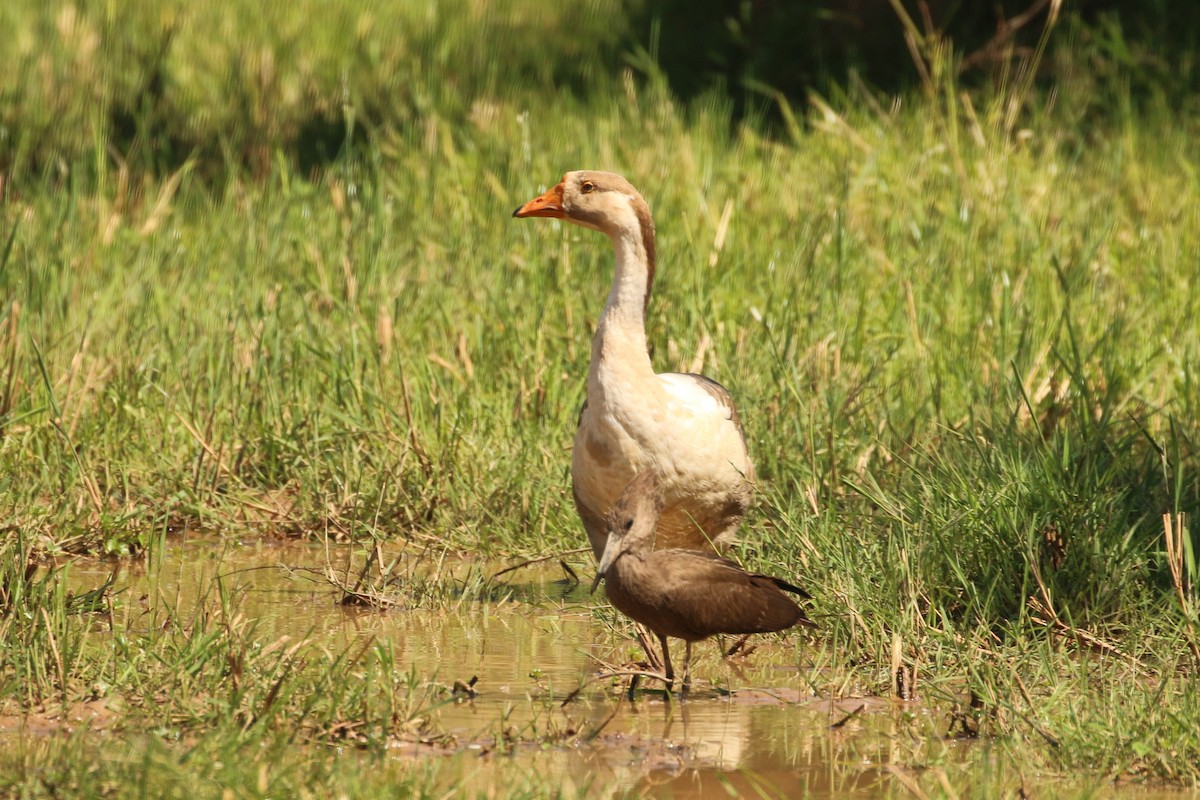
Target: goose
[
  {"x": 685, "y": 594},
  {"x": 682, "y": 425}
]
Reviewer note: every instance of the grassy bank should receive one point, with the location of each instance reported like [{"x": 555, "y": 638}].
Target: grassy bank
[{"x": 963, "y": 331}]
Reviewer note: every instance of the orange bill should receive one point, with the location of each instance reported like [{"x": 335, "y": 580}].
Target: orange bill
[{"x": 545, "y": 205}]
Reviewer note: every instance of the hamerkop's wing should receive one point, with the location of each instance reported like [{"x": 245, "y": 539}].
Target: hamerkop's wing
[{"x": 708, "y": 594}]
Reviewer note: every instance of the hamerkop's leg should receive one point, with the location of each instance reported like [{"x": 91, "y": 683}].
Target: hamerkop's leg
[
  {"x": 687, "y": 666},
  {"x": 668, "y": 670}
]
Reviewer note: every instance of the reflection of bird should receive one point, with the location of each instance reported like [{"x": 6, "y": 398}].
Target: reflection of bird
[
  {"x": 688, "y": 594},
  {"x": 683, "y": 425}
]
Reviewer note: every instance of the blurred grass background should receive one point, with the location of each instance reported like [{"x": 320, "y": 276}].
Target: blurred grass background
[{"x": 237, "y": 86}]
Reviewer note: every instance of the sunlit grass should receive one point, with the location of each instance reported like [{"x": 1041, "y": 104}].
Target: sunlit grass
[{"x": 963, "y": 338}]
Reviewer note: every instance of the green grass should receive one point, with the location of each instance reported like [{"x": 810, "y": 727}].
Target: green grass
[
  {"x": 76, "y": 767},
  {"x": 953, "y": 324}
]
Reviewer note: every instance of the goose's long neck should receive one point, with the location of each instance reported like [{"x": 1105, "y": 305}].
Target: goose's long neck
[{"x": 619, "y": 351}]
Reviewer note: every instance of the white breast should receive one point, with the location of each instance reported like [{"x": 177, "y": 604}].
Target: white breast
[{"x": 673, "y": 424}]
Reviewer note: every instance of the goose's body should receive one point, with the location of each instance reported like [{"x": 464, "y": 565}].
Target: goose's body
[
  {"x": 684, "y": 426},
  {"x": 685, "y": 594}
]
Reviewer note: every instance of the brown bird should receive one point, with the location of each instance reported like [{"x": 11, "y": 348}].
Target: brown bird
[
  {"x": 682, "y": 425},
  {"x": 687, "y": 594}
]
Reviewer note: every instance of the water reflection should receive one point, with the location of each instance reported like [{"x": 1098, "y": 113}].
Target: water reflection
[{"x": 532, "y": 643}]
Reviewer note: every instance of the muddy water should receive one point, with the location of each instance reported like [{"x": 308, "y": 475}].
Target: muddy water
[{"x": 533, "y": 642}]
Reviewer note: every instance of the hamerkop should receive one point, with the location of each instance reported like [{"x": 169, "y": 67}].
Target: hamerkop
[
  {"x": 633, "y": 419},
  {"x": 688, "y": 594}
]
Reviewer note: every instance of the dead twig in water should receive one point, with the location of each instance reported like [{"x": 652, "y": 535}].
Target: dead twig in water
[
  {"x": 632, "y": 674},
  {"x": 739, "y": 648},
  {"x": 852, "y": 715},
  {"x": 351, "y": 596},
  {"x": 599, "y": 728},
  {"x": 540, "y": 559},
  {"x": 572, "y": 578},
  {"x": 612, "y": 673},
  {"x": 465, "y": 690}
]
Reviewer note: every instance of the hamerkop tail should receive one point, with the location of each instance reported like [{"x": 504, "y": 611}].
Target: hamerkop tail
[{"x": 687, "y": 594}]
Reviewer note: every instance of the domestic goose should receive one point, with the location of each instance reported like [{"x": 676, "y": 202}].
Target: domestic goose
[
  {"x": 685, "y": 594},
  {"x": 684, "y": 426}
]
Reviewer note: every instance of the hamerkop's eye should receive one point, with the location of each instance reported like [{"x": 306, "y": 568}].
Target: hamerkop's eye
[
  {"x": 628, "y": 524},
  {"x": 587, "y": 186}
]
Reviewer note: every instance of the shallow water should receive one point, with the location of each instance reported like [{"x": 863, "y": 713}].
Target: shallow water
[{"x": 536, "y": 640}]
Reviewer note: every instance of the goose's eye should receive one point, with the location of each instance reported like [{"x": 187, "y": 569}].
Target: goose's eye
[
  {"x": 587, "y": 186},
  {"x": 628, "y": 524}
]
